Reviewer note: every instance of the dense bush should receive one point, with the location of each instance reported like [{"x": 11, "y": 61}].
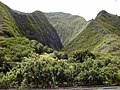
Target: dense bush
[
  {"x": 26, "y": 63},
  {"x": 60, "y": 55},
  {"x": 82, "y": 55},
  {"x": 15, "y": 49},
  {"x": 49, "y": 72},
  {"x": 38, "y": 73}
]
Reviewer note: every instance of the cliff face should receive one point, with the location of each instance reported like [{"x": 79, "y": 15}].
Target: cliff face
[
  {"x": 31, "y": 25},
  {"x": 36, "y": 26}
]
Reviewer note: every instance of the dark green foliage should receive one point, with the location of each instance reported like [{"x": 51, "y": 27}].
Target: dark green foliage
[
  {"x": 6, "y": 67},
  {"x": 82, "y": 55},
  {"x": 60, "y": 55},
  {"x": 1, "y": 58},
  {"x": 39, "y": 48}
]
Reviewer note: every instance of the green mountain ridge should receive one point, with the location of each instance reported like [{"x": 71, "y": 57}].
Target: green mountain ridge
[
  {"x": 101, "y": 35},
  {"x": 66, "y": 25},
  {"x": 34, "y": 26}
]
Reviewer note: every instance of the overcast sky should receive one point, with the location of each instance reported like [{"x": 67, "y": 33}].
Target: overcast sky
[{"x": 86, "y": 8}]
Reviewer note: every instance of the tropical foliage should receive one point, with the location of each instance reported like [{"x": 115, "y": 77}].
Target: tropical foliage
[{"x": 43, "y": 71}]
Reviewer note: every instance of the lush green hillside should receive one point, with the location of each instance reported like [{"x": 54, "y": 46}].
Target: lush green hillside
[
  {"x": 8, "y": 27},
  {"x": 26, "y": 63},
  {"x": 101, "y": 35},
  {"x": 31, "y": 25},
  {"x": 36, "y": 26},
  {"x": 67, "y": 25}
]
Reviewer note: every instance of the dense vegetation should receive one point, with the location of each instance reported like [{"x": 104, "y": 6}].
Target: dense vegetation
[
  {"x": 45, "y": 70},
  {"x": 92, "y": 58}
]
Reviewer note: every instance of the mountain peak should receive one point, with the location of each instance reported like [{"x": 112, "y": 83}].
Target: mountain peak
[{"x": 101, "y": 13}]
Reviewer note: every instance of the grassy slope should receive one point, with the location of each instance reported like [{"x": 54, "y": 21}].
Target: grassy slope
[
  {"x": 67, "y": 25},
  {"x": 8, "y": 26},
  {"x": 101, "y": 35}
]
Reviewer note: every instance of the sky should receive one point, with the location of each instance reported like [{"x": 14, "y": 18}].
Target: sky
[{"x": 85, "y": 8}]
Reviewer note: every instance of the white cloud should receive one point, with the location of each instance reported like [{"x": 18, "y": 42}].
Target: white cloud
[{"x": 86, "y": 8}]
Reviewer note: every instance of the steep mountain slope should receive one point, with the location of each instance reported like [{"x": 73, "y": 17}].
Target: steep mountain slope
[
  {"x": 8, "y": 25},
  {"x": 31, "y": 25},
  {"x": 101, "y": 35},
  {"x": 67, "y": 25}
]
